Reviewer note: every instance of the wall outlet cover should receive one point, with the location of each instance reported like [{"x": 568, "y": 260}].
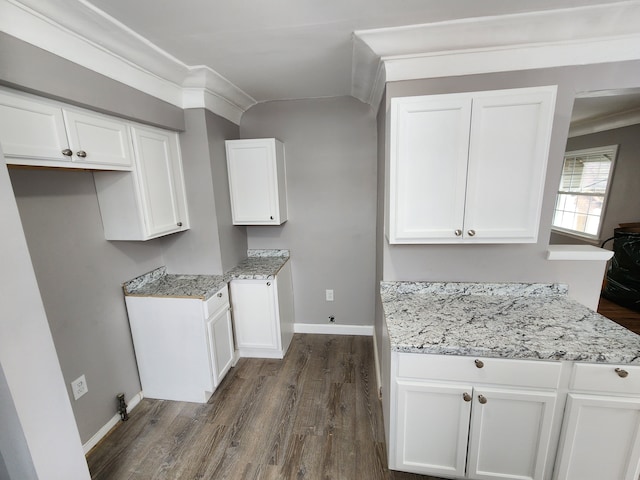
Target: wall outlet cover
[{"x": 79, "y": 387}]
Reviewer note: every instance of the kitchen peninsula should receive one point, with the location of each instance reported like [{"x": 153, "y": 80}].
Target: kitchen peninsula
[{"x": 508, "y": 381}]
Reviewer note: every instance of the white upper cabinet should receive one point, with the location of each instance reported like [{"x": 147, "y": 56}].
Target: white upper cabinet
[
  {"x": 150, "y": 201},
  {"x": 257, "y": 181},
  {"x": 470, "y": 167},
  {"x": 37, "y": 132}
]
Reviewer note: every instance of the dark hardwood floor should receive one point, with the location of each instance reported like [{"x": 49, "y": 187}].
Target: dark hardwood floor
[
  {"x": 314, "y": 415},
  {"x": 624, "y": 316}
]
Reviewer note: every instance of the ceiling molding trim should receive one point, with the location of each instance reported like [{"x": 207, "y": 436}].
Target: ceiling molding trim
[
  {"x": 610, "y": 122},
  {"x": 517, "y": 57},
  {"x": 87, "y": 36},
  {"x": 524, "y": 41}
]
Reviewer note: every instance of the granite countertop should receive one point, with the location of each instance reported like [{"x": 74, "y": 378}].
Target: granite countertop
[
  {"x": 260, "y": 265},
  {"x": 159, "y": 283},
  {"x": 524, "y": 321}
]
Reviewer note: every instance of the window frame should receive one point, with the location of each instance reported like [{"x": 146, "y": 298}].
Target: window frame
[{"x": 605, "y": 197}]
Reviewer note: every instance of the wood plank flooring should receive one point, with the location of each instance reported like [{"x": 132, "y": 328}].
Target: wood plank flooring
[
  {"x": 624, "y": 316},
  {"x": 314, "y": 415}
]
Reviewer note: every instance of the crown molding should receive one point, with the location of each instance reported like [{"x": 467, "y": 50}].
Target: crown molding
[
  {"x": 601, "y": 124},
  {"x": 79, "y": 32},
  {"x": 551, "y": 38}
]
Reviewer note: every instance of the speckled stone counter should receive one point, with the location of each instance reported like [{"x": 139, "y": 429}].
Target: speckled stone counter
[
  {"x": 523, "y": 321},
  {"x": 259, "y": 265},
  {"x": 158, "y": 283}
]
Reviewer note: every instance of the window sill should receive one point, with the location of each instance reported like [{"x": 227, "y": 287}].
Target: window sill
[{"x": 578, "y": 252}]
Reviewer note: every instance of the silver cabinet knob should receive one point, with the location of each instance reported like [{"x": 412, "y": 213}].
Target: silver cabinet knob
[
  {"x": 458, "y": 232},
  {"x": 471, "y": 233},
  {"x": 81, "y": 153},
  {"x": 622, "y": 373},
  {"x": 67, "y": 152},
  {"x": 268, "y": 284},
  {"x": 479, "y": 363},
  {"x": 271, "y": 217},
  {"x": 482, "y": 399},
  {"x": 179, "y": 224},
  {"x": 466, "y": 397},
  {"x": 219, "y": 294}
]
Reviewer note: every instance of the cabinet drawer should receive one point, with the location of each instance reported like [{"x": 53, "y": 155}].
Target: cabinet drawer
[
  {"x": 605, "y": 378},
  {"x": 218, "y": 300},
  {"x": 498, "y": 371}
]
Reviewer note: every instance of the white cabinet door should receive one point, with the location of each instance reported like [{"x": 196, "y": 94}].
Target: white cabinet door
[
  {"x": 220, "y": 344},
  {"x": 508, "y": 151},
  {"x": 429, "y": 149},
  {"x": 98, "y": 140},
  {"x": 510, "y": 434},
  {"x": 255, "y": 317},
  {"x": 432, "y": 425},
  {"x": 469, "y": 168},
  {"x": 257, "y": 182},
  {"x": 31, "y": 130},
  {"x": 600, "y": 439},
  {"x": 159, "y": 180}
]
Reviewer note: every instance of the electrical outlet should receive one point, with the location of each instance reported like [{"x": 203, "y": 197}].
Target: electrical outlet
[
  {"x": 79, "y": 387},
  {"x": 329, "y": 295}
]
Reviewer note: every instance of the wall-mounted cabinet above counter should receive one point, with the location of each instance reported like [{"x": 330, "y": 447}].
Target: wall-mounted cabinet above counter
[
  {"x": 137, "y": 169},
  {"x": 469, "y": 167},
  {"x": 257, "y": 182}
]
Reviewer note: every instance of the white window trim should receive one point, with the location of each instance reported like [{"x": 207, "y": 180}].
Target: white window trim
[{"x": 605, "y": 201}]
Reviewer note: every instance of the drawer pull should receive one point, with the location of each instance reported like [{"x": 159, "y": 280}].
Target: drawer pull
[
  {"x": 466, "y": 397},
  {"x": 219, "y": 294},
  {"x": 81, "y": 153},
  {"x": 458, "y": 232},
  {"x": 482, "y": 399},
  {"x": 622, "y": 373},
  {"x": 268, "y": 284},
  {"x": 66, "y": 152},
  {"x": 479, "y": 363}
]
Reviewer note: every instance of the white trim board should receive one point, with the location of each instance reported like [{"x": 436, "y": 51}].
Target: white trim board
[
  {"x": 333, "y": 329},
  {"x": 106, "y": 428},
  {"x": 83, "y": 34}
]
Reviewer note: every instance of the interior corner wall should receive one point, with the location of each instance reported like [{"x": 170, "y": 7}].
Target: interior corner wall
[
  {"x": 232, "y": 238},
  {"x": 30, "y": 365},
  {"x": 506, "y": 263},
  {"x": 330, "y": 152},
  {"x": 212, "y": 245},
  {"x": 34, "y": 70},
  {"x": 197, "y": 250}
]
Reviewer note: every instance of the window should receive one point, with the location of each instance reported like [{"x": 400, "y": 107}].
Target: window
[{"x": 584, "y": 186}]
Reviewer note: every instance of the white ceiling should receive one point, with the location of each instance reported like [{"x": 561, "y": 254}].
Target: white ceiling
[{"x": 287, "y": 49}]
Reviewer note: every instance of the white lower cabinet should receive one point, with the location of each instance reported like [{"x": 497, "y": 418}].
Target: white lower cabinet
[
  {"x": 601, "y": 430},
  {"x": 184, "y": 346},
  {"x": 263, "y": 315},
  {"x": 473, "y": 430}
]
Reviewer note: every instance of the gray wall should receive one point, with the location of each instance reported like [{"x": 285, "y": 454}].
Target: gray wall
[
  {"x": 39, "y": 412},
  {"x": 623, "y": 205},
  {"x": 330, "y": 151},
  {"x": 511, "y": 263},
  {"x": 213, "y": 244},
  {"x": 80, "y": 276},
  {"x": 232, "y": 238}
]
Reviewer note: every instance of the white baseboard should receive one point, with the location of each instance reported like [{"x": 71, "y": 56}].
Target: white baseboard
[
  {"x": 333, "y": 329},
  {"x": 100, "y": 434}
]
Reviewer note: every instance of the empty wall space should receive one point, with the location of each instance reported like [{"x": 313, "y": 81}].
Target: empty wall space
[
  {"x": 80, "y": 274},
  {"x": 330, "y": 151}
]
